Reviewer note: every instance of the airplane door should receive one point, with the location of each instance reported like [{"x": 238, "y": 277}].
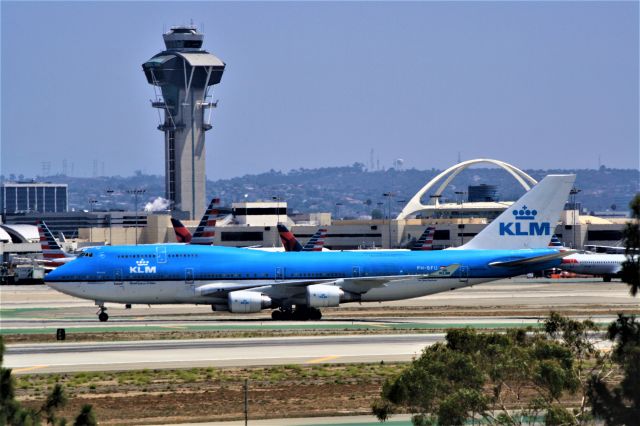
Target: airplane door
[
  {"x": 279, "y": 273},
  {"x": 161, "y": 253},
  {"x": 117, "y": 277},
  {"x": 464, "y": 274},
  {"x": 188, "y": 276},
  {"x": 356, "y": 271}
]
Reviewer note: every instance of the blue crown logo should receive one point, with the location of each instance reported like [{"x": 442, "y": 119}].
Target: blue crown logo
[{"x": 525, "y": 213}]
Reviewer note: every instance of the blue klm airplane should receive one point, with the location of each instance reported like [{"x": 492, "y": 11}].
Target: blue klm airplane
[{"x": 297, "y": 284}]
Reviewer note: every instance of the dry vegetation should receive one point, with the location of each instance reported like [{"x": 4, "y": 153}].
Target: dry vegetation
[{"x": 206, "y": 394}]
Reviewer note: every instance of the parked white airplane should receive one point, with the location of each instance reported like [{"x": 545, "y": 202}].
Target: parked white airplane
[{"x": 606, "y": 265}]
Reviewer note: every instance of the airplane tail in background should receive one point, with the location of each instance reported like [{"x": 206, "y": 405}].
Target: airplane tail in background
[
  {"x": 289, "y": 241},
  {"x": 182, "y": 233},
  {"x": 530, "y": 221},
  {"x": 555, "y": 242},
  {"x": 425, "y": 242},
  {"x": 316, "y": 242},
  {"x": 205, "y": 233},
  {"x": 51, "y": 250}
]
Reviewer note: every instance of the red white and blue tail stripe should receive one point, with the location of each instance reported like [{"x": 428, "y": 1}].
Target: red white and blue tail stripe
[
  {"x": 425, "y": 242},
  {"x": 205, "y": 233},
  {"x": 52, "y": 253},
  {"x": 316, "y": 242}
]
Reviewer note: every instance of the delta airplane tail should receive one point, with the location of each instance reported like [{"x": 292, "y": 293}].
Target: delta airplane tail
[
  {"x": 182, "y": 233},
  {"x": 530, "y": 221},
  {"x": 425, "y": 242},
  {"x": 289, "y": 241}
]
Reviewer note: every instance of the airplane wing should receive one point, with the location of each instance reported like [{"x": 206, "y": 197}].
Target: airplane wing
[
  {"x": 529, "y": 260},
  {"x": 358, "y": 285}
]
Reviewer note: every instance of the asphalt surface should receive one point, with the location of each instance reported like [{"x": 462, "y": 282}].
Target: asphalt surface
[
  {"x": 39, "y": 309},
  {"x": 67, "y": 357}
]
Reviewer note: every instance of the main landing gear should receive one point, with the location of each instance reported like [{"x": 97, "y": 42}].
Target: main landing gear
[
  {"x": 301, "y": 313},
  {"x": 102, "y": 313}
]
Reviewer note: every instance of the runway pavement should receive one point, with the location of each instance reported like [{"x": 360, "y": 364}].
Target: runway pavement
[
  {"x": 38, "y": 309},
  {"x": 45, "y": 303},
  {"x": 67, "y": 357}
]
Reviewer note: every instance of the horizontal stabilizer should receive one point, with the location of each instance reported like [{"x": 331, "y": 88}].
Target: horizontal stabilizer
[{"x": 530, "y": 260}]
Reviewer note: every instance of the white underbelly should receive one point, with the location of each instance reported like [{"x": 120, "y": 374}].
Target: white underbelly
[{"x": 408, "y": 289}]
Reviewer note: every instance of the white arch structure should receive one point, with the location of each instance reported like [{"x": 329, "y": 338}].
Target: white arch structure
[{"x": 415, "y": 205}]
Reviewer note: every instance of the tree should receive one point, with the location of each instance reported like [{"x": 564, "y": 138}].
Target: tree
[
  {"x": 448, "y": 383},
  {"x": 86, "y": 417},
  {"x": 631, "y": 268},
  {"x": 11, "y": 413},
  {"x": 620, "y": 405}
]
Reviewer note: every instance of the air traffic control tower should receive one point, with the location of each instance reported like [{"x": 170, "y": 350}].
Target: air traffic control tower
[{"x": 184, "y": 72}]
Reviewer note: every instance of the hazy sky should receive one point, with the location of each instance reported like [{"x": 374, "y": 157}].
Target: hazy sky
[{"x": 537, "y": 84}]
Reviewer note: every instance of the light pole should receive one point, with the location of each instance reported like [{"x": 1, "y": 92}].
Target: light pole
[
  {"x": 436, "y": 202},
  {"x": 461, "y": 194},
  {"x": 110, "y": 192},
  {"x": 389, "y": 195},
  {"x": 574, "y": 191},
  {"x": 136, "y": 192},
  {"x": 92, "y": 202},
  {"x": 277, "y": 200},
  {"x": 338, "y": 210}
]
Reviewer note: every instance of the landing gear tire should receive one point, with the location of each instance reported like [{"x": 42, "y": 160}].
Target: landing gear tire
[
  {"x": 102, "y": 313},
  {"x": 606, "y": 279},
  {"x": 277, "y": 315},
  {"x": 315, "y": 314}
]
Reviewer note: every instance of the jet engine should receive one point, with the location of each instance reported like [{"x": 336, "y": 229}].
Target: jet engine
[
  {"x": 244, "y": 302},
  {"x": 323, "y": 296}
]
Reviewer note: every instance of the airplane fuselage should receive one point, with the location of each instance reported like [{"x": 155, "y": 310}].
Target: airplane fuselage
[{"x": 166, "y": 273}]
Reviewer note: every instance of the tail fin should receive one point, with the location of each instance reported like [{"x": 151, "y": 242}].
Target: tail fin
[
  {"x": 425, "y": 242},
  {"x": 316, "y": 242},
  {"x": 182, "y": 233},
  {"x": 205, "y": 233},
  {"x": 530, "y": 221},
  {"x": 51, "y": 250},
  {"x": 289, "y": 241},
  {"x": 555, "y": 242}
]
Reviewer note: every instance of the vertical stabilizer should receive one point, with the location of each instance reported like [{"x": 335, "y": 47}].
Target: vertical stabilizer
[
  {"x": 425, "y": 242},
  {"x": 182, "y": 233},
  {"x": 530, "y": 221},
  {"x": 51, "y": 250},
  {"x": 316, "y": 242},
  {"x": 205, "y": 233},
  {"x": 289, "y": 241}
]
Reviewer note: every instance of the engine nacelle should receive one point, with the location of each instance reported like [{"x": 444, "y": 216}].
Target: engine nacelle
[
  {"x": 244, "y": 302},
  {"x": 323, "y": 296}
]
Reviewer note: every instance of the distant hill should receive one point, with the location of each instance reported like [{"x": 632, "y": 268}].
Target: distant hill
[{"x": 350, "y": 191}]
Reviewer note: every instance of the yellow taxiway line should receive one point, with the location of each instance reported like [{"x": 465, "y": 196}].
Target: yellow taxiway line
[{"x": 323, "y": 359}]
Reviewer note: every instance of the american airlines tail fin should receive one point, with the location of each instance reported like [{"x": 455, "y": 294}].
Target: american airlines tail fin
[
  {"x": 316, "y": 242},
  {"x": 205, "y": 233},
  {"x": 530, "y": 221},
  {"x": 182, "y": 233},
  {"x": 556, "y": 243},
  {"x": 425, "y": 242},
  {"x": 289, "y": 241},
  {"x": 51, "y": 250}
]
